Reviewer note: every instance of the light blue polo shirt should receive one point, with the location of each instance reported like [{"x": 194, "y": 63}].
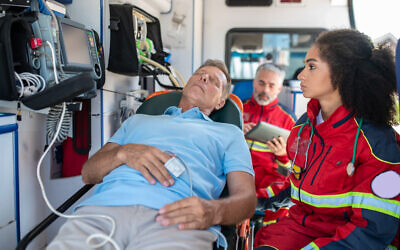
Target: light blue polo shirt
[{"x": 209, "y": 149}]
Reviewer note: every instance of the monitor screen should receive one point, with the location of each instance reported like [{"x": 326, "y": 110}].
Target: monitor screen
[{"x": 76, "y": 45}]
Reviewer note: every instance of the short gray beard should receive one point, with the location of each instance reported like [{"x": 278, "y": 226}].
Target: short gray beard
[{"x": 263, "y": 102}]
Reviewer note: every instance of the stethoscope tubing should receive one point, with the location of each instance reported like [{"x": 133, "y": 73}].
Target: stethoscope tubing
[{"x": 310, "y": 140}]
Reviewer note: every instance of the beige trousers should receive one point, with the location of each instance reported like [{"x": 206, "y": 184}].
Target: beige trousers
[{"x": 136, "y": 228}]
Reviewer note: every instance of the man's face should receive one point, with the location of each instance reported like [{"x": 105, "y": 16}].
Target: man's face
[
  {"x": 205, "y": 88},
  {"x": 266, "y": 87}
]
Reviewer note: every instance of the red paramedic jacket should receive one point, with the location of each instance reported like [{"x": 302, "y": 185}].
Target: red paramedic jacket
[
  {"x": 268, "y": 180},
  {"x": 346, "y": 208}
]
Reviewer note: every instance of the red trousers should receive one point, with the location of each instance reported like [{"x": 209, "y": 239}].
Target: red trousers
[{"x": 286, "y": 234}]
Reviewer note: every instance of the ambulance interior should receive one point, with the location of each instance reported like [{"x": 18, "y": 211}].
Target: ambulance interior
[{"x": 243, "y": 34}]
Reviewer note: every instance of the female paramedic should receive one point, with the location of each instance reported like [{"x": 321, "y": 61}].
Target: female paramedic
[{"x": 345, "y": 160}]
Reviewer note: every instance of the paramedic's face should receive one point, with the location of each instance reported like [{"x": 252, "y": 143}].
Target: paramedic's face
[
  {"x": 315, "y": 77},
  {"x": 266, "y": 86},
  {"x": 205, "y": 88}
]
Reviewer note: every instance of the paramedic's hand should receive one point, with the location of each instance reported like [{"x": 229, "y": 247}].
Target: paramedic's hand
[
  {"x": 188, "y": 213},
  {"x": 248, "y": 126},
  {"x": 148, "y": 160},
  {"x": 277, "y": 146}
]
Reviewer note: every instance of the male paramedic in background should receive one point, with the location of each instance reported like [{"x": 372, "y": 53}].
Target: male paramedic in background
[
  {"x": 270, "y": 161},
  {"x": 153, "y": 209}
]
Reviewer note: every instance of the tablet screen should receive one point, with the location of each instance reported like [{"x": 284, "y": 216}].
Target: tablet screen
[{"x": 265, "y": 132}]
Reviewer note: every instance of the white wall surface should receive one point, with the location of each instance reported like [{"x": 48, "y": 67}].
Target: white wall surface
[
  {"x": 179, "y": 38},
  {"x": 8, "y": 237},
  {"x": 31, "y": 143}
]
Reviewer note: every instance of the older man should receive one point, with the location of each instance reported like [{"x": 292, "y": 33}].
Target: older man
[
  {"x": 269, "y": 159},
  {"x": 151, "y": 208}
]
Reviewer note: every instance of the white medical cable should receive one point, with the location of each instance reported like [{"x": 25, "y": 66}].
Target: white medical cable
[
  {"x": 222, "y": 236},
  {"x": 53, "y": 119},
  {"x": 145, "y": 48},
  {"x": 35, "y": 83},
  {"x": 21, "y": 91},
  {"x": 107, "y": 238},
  {"x": 38, "y": 80},
  {"x": 53, "y": 61},
  {"x": 156, "y": 64},
  {"x": 190, "y": 176},
  {"x": 225, "y": 243},
  {"x": 183, "y": 82},
  {"x": 187, "y": 170},
  {"x": 191, "y": 194},
  {"x": 43, "y": 81},
  {"x": 57, "y": 35},
  {"x": 30, "y": 80},
  {"x": 53, "y": 116}
]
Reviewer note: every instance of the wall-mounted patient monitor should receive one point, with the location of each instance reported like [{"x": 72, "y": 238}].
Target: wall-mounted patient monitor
[
  {"x": 78, "y": 48},
  {"x": 75, "y": 47}
]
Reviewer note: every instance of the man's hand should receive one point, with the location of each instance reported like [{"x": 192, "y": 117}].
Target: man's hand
[
  {"x": 188, "y": 213},
  {"x": 148, "y": 160},
  {"x": 277, "y": 146},
  {"x": 247, "y": 126}
]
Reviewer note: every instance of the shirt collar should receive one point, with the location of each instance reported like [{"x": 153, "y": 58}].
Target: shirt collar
[
  {"x": 337, "y": 118},
  {"x": 191, "y": 113}
]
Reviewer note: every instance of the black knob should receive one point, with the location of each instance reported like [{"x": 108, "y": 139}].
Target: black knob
[{"x": 97, "y": 70}]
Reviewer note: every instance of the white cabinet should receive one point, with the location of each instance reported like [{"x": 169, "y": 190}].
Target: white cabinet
[
  {"x": 293, "y": 98},
  {"x": 8, "y": 181},
  {"x": 8, "y": 239}
]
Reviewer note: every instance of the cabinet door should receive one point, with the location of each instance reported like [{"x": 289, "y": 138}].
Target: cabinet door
[
  {"x": 7, "y": 209},
  {"x": 8, "y": 239}
]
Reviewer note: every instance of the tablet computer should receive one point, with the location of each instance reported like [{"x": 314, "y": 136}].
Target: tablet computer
[{"x": 265, "y": 132}]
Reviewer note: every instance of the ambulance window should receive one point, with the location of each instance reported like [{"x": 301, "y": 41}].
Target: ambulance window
[{"x": 247, "y": 48}]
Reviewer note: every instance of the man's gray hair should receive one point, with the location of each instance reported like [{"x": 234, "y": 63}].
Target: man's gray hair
[
  {"x": 221, "y": 66},
  {"x": 270, "y": 67}
]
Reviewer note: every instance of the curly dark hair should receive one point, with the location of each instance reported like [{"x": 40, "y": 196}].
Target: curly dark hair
[{"x": 364, "y": 75}]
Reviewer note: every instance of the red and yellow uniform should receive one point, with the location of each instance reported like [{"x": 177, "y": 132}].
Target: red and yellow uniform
[
  {"x": 337, "y": 206},
  {"x": 268, "y": 180}
]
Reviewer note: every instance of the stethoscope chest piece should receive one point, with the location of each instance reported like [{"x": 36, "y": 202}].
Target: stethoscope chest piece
[
  {"x": 350, "y": 166},
  {"x": 350, "y": 169}
]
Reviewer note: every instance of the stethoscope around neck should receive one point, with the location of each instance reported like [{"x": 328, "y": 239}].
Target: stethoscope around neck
[{"x": 297, "y": 171}]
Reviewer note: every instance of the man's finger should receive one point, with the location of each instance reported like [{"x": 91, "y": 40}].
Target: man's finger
[
  {"x": 271, "y": 143},
  {"x": 184, "y": 203},
  {"x": 182, "y": 218},
  {"x": 190, "y": 225},
  {"x": 146, "y": 174},
  {"x": 162, "y": 156},
  {"x": 160, "y": 172},
  {"x": 175, "y": 213}
]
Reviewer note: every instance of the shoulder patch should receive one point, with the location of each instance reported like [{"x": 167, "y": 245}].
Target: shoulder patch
[
  {"x": 382, "y": 142},
  {"x": 386, "y": 185}
]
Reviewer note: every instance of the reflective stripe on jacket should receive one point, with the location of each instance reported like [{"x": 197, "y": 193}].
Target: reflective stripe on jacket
[
  {"x": 265, "y": 163},
  {"x": 328, "y": 198}
]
